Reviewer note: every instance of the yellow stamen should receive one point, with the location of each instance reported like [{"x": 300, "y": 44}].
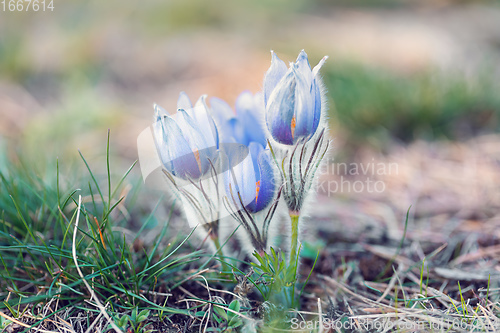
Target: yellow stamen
[
  {"x": 257, "y": 189},
  {"x": 197, "y": 156},
  {"x": 294, "y": 122}
]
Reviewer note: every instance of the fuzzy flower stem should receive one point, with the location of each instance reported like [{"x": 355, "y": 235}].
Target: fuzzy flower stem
[{"x": 295, "y": 236}]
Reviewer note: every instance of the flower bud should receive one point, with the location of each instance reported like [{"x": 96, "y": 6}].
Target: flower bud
[{"x": 292, "y": 99}]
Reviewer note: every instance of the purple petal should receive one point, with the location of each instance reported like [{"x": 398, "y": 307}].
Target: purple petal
[
  {"x": 317, "y": 105},
  {"x": 255, "y": 149},
  {"x": 221, "y": 110},
  {"x": 249, "y": 110},
  {"x": 240, "y": 178},
  {"x": 204, "y": 119},
  {"x": 236, "y": 131},
  {"x": 223, "y": 115},
  {"x": 267, "y": 181},
  {"x": 304, "y": 107},
  {"x": 195, "y": 140},
  {"x": 274, "y": 74},
  {"x": 280, "y": 110},
  {"x": 180, "y": 161},
  {"x": 304, "y": 68},
  {"x": 316, "y": 68}
]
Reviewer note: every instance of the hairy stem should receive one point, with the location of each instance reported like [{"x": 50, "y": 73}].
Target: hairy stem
[{"x": 295, "y": 237}]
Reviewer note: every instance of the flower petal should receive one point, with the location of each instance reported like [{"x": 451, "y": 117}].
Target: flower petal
[
  {"x": 221, "y": 110},
  {"x": 317, "y": 104},
  {"x": 159, "y": 112},
  {"x": 255, "y": 149},
  {"x": 240, "y": 178},
  {"x": 280, "y": 109},
  {"x": 304, "y": 107},
  {"x": 237, "y": 131},
  {"x": 316, "y": 90},
  {"x": 316, "y": 68},
  {"x": 267, "y": 181},
  {"x": 161, "y": 145},
  {"x": 183, "y": 102},
  {"x": 273, "y": 75},
  {"x": 250, "y": 110},
  {"x": 304, "y": 68},
  {"x": 193, "y": 136},
  {"x": 204, "y": 119},
  {"x": 223, "y": 115},
  {"x": 180, "y": 159}
]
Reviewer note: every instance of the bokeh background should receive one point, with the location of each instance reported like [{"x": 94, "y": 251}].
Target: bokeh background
[{"x": 409, "y": 82}]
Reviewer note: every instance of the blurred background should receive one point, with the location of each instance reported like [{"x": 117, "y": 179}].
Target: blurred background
[{"x": 409, "y": 82}]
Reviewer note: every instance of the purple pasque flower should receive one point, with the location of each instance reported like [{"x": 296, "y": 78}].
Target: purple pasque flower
[
  {"x": 243, "y": 139},
  {"x": 251, "y": 191},
  {"x": 250, "y": 180},
  {"x": 244, "y": 126},
  {"x": 292, "y": 98},
  {"x": 188, "y": 141}
]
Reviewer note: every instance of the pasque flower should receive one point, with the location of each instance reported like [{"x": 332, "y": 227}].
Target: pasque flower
[
  {"x": 253, "y": 174},
  {"x": 251, "y": 184},
  {"x": 187, "y": 142},
  {"x": 292, "y": 99},
  {"x": 295, "y": 118},
  {"x": 244, "y": 126},
  {"x": 252, "y": 193},
  {"x": 187, "y": 145}
]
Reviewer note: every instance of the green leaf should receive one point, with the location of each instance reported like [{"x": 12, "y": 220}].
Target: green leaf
[
  {"x": 235, "y": 306},
  {"x": 133, "y": 316},
  {"x": 217, "y": 318},
  {"x": 142, "y": 316},
  {"x": 200, "y": 313},
  {"x": 122, "y": 322},
  {"x": 221, "y": 312},
  {"x": 235, "y": 322}
]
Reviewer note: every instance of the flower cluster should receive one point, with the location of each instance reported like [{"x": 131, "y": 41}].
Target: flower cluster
[{"x": 243, "y": 162}]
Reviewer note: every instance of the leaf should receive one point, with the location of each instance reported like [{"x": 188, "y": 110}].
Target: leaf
[
  {"x": 141, "y": 317},
  {"x": 122, "y": 322},
  {"x": 235, "y": 306},
  {"x": 217, "y": 318},
  {"x": 235, "y": 322},
  {"x": 259, "y": 258},
  {"x": 133, "y": 316},
  {"x": 221, "y": 312},
  {"x": 144, "y": 312},
  {"x": 200, "y": 313}
]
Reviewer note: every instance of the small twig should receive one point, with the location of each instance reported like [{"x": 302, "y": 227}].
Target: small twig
[
  {"x": 352, "y": 314},
  {"x": 94, "y": 322},
  {"x": 320, "y": 315},
  {"x": 220, "y": 290},
  {"x": 22, "y": 324},
  {"x": 187, "y": 293},
  {"x": 227, "y": 309},
  {"x": 391, "y": 284}
]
